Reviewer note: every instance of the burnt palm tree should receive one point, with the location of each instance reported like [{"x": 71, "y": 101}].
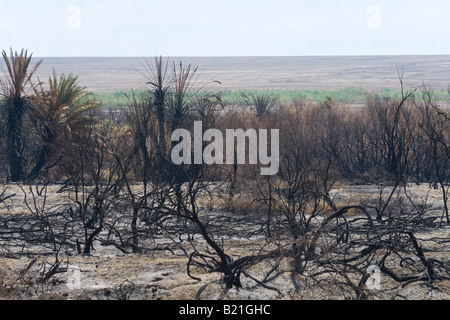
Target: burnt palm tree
[
  {"x": 184, "y": 93},
  {"x": 159, "y": 90},
  {"x": 15, "y": 104}
]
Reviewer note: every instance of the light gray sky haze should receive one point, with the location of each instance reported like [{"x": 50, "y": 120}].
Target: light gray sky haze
[{"x": 113, "y": 28}]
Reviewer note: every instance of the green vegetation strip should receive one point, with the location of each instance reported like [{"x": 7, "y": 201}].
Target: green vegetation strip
[{"x": 351, "y": 95}]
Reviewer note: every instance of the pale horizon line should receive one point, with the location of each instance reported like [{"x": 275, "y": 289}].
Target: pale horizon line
[{"x": 254, "y": 56}]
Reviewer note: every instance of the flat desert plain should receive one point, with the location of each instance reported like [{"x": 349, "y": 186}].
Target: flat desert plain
[{"x": 372, "y": 73}]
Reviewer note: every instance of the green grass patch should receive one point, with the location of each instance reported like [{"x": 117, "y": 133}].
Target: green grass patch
[{"x": 351, "y": 95}]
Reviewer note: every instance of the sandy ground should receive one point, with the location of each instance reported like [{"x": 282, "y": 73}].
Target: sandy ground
[{"x": 109, "y": 274}]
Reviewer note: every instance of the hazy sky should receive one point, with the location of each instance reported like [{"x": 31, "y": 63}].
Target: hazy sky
[{"x": 225, "y": 27}]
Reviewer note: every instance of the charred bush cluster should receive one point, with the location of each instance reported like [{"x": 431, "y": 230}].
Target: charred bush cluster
[{"x": 118, "y": 187}]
